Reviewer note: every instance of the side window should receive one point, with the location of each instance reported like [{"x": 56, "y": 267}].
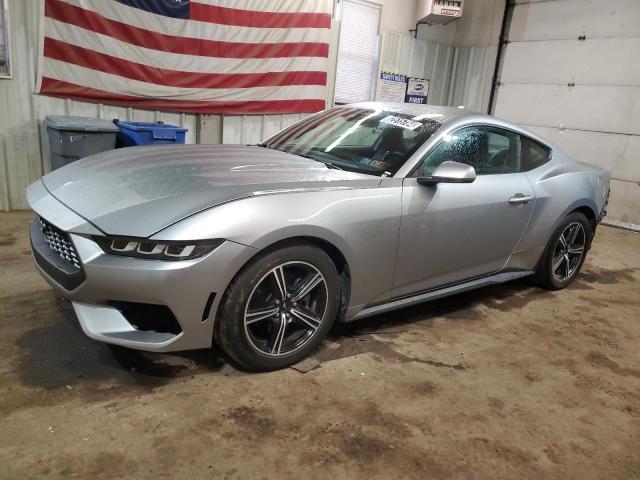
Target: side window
[
  {"x": 533, "y": 154},
  {"x": 489, "y": 150}
]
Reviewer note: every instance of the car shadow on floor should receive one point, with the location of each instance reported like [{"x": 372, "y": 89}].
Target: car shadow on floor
[
  {"x": 476, "y": 305},
  {"x": 60, "y": 355}
]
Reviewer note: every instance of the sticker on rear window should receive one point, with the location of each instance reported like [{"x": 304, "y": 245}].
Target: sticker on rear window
[{"x": 401, "y": 122}]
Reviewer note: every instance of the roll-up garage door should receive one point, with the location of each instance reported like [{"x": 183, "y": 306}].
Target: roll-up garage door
[
  {"x": 3, "y": 39},
  {"x": 571, "y": 73}
]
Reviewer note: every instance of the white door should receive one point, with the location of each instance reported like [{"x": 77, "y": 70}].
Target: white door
[{"x": 571, "y": 73}]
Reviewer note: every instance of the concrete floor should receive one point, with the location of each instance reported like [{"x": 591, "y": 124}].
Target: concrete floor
[{"x": 505, "y": 382}]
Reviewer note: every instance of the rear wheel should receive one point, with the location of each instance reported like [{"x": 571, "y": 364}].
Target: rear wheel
[
  {"x": 565, "y": 253},
  {"x": 279, "y": 308}
]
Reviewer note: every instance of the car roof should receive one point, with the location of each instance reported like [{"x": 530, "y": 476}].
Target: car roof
[{"x": 449, "y": 115}]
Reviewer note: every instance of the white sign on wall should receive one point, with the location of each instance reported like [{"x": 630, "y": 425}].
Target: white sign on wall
[{"x": 391, "y": 87}]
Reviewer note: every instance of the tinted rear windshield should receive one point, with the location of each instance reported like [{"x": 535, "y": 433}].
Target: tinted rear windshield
[{"x": 375, "y": 142}]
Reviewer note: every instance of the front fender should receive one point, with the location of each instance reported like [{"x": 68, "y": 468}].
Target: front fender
[{"x": 362, "y": 223}]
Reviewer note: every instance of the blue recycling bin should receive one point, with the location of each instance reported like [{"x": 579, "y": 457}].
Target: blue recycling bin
[{"x": 149, "y": 133}]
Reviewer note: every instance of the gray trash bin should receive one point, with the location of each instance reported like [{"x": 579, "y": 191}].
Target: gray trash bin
[{"x": 72, "y": 138}]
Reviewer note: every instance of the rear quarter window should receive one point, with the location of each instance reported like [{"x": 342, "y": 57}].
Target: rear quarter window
[{"x": 533, "y": 154}]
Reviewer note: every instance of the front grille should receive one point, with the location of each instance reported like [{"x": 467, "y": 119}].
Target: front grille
[
  {"x": 59, "y": 242},
  {"x": 55, "y": 255}
]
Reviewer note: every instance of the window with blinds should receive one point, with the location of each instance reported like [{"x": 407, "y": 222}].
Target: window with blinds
[
  {"x": 4, "y": 40},
  {"x": 357, "y": 52}
]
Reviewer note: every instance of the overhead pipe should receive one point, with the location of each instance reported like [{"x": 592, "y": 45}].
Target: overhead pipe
[{"x": 502, "y": 42}]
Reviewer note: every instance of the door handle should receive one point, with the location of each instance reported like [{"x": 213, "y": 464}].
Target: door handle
[{"x": 520, "y": 199}]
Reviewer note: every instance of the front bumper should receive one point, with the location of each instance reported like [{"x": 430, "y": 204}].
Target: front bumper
[{"x": 191, "y": 290}]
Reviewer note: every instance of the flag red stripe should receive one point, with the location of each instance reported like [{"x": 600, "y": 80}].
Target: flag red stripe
[
  {"x": 58, "y": 88},
  {"x": 250, "y": 18},
  {"x": 89, "y": 20},
  {"x": 88, "y": 58}
]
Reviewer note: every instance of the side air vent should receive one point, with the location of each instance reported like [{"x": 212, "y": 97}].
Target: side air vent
[{"x": 148, "y": 317}]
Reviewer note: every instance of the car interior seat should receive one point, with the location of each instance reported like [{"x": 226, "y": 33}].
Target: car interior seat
[
  {"x": 391, "y": 141},
  {"x": 500, "y": 161}
]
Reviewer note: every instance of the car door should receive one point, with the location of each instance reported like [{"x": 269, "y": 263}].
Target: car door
[{"x": 451, "y": 232}]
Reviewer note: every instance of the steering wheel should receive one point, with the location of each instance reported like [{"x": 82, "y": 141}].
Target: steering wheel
[{"x": 391, "y": 158}]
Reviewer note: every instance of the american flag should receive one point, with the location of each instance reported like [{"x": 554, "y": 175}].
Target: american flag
[{"x": 204, "y": 56}]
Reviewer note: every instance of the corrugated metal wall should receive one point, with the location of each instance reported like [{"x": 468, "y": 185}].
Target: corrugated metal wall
[
  {"x": 471, "y": 75},
  {"x": 458, "y": 75},
  {"x": 22, "y": 112},
  {"x": 419, "y": 58}
]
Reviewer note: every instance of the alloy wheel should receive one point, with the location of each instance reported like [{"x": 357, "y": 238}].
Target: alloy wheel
[
  {"x": 286, "y": 308},
  {"x": 568, "y": 251}
]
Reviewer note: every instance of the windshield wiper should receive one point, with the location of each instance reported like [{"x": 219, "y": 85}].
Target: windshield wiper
[
  {"x": 326, "y": 162},
  {"x": 331, "y": 165}
]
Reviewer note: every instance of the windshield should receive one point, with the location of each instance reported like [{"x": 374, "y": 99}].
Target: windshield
[{"x": 361, "y": 140}]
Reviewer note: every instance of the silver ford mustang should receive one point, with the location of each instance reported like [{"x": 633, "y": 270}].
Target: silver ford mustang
[{"x": 351, "y": 212}]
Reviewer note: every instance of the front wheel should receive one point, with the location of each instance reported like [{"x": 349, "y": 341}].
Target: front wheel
[
  {"x": 565, "y": 253},
  {"x": 279, "y": 308}
]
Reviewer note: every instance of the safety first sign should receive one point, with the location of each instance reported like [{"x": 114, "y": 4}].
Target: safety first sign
[{"x": 417, "y": 90}]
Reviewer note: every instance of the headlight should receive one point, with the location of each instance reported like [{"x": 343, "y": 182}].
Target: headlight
[{"x": 156, "y": 250}]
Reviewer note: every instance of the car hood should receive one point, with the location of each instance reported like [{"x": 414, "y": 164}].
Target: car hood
[{"x": 138, "y": 191}]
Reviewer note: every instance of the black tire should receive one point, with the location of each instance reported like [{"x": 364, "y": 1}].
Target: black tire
[
  {"x": 545, "y": 276},
  {"x": 234, "y": 337}
]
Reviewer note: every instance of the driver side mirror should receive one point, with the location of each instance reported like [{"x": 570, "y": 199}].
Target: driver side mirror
[{"x": 450, "y": 172}]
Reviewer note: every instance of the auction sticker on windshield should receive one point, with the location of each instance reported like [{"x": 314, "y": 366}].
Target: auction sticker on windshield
[{"x": 401, "y": 122}]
